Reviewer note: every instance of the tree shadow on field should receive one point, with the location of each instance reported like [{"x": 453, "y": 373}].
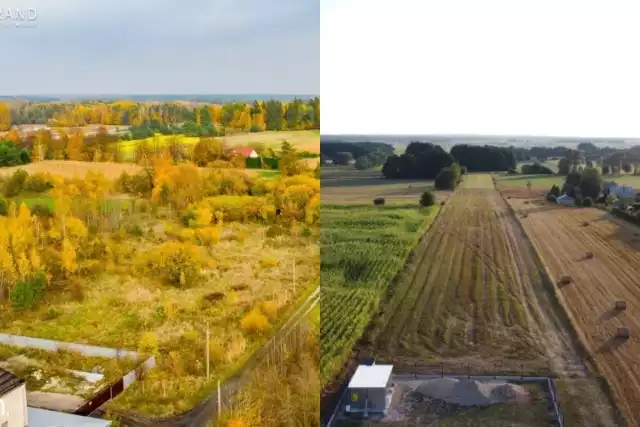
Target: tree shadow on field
[
  {"x": 625, "y": 232},
  {"x": 608, "y": 315},
  {"x": 612, "y": 344}
]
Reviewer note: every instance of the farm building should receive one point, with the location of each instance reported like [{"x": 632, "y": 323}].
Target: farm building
[
  {"x": 246, "y": 152},
  {"x": 369, "y": 390},
  {"x": 565, "y": 200},
  {"x": 618, "y": 190}
]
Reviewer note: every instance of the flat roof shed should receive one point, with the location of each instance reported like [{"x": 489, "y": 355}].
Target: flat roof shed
[
  {"x": 45, "y": 418},
  {"x": 374, "y": 376}
]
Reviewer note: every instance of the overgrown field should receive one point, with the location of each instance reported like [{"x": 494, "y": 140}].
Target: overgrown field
[
  {"x": 563, "y": 241},
  {"x": 52, "y": 371},
  {"x": 348, "y": 185},
  {"x": 184, "y": 252},
  {"x": 363, "y": 248}
]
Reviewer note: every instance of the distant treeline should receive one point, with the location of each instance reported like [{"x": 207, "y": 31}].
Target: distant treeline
[
  {"x": 423, "y": 160},
  {"x": 365, "y": 154},
  {"x": 257, "y": 116}
]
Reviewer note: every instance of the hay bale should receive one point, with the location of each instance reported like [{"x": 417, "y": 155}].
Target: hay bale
[
  {"x": 565, "y": 280},
  {"x": 589, "y": 255},
  {"x": 621, "y": 305},
  {"x": 378, "y": 201},
  {"x": 622, "y": 333}
]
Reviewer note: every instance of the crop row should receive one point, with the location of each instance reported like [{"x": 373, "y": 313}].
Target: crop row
[{"x": 363, "y": 249}]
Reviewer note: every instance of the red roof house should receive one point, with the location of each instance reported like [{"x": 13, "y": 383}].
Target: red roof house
[{"x": 246, "y": 152}]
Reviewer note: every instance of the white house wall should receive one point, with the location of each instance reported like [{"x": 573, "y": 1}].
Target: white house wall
[{"x": 15, "y": 407}]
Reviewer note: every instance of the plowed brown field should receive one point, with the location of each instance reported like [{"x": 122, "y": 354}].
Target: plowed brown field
[{"x": 613, "y": 274}]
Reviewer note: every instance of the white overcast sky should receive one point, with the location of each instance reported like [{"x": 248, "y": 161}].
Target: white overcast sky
[
  {"x": 538, "y": 67},
  {"x": 162, "y": 47}
]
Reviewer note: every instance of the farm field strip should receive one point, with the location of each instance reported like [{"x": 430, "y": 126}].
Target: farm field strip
[
  {"x": 304, "y": 140},
  {"x": 460, "y": 296},
  {"x": 363, "y": 248},
  {"x": 597, "y": 283}
]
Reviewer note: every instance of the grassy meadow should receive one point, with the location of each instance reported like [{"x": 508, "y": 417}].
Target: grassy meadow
[
  {"x": 347, "y": 185},
  {"x": 547, "y": 181}
]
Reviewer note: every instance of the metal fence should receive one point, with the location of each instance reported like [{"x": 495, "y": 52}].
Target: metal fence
[{"x": 518, "y": 373}]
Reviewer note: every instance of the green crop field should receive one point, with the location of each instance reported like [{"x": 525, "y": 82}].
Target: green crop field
[
  {"x": 537, "y": 181},
  {"x": 363, "y": 249}
]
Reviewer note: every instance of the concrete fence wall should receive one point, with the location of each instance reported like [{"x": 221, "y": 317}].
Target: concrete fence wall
[
  {"x": 50, "y": 345},
  {"x": 109, "y": 391}
]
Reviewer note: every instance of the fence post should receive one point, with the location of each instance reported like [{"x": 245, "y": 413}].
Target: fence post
[
  {"x": 468, "y": 370},
  {"x": 442, "y": 369}
]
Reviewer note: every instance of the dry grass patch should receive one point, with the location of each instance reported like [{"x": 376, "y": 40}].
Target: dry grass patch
[{"x": 119, "y": 310}]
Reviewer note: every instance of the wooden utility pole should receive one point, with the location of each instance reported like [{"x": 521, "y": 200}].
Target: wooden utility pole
[
  {"x": 294, "y": 275},
  {"x": 219, "y": 401},
  {"x": 207, "y": 355}
]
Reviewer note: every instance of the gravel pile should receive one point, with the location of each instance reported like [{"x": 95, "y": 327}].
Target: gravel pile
[{"x": 466, "y": 392}]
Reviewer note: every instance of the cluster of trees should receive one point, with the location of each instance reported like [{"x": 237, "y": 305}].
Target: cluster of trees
[
  {"x": 423, "y": 160},
  {"x": 63, "y": 240},
  {"x": 366, "y": 154},
  {"x": 449, "y": 177},
  {"x": 12, "y": 155},
  {"x": 261, "y": 115},
  {"x": 103, "y": 146},
  {"x": 580, "y": 185},
  {"x": 44, "y": 145},
  {"x": 484, "y": 158}
]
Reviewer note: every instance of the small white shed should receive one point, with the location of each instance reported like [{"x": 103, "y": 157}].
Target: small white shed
[{"x": 369, "y": 390}]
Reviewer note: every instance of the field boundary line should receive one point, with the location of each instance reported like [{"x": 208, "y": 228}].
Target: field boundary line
[{"x": 578, "y": 336}]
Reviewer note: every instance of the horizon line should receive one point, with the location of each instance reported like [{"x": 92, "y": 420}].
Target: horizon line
[{"x": 458, "y": 135}]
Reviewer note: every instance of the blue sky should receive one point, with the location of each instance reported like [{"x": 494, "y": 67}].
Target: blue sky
[{"x": 163, "y": 46}]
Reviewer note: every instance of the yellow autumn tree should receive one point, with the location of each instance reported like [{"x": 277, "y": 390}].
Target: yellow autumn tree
[
  {"x": 5, "y": 117},
  {"x": 75, "y": 145}
]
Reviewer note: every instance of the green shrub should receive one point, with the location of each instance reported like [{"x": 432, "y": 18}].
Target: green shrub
[
  {"x": 28, "y": 292},
  {"x": 427, "y": 199},
  {"x": 4, "y": 206},
  {"x": 37, "y": 183},
  {"x": 15, "y": 185},
  {"x": 587, "y": 202},
  {"x": 42, "y": 210},
  {"x": 445, "y": 180}
]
